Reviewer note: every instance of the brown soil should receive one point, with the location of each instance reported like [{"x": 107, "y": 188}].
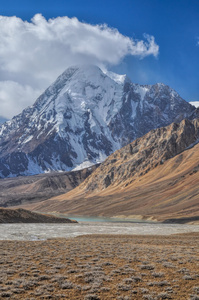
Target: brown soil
[
  {"x": 171, "y": 190},
  {"x": 24, "y": 216},
  {"x": 30, "y": 189},
  {"x": 101, "y": 267}
]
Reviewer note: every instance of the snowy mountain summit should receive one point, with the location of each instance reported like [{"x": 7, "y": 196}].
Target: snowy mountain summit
[{"x": 83, "y": 117}]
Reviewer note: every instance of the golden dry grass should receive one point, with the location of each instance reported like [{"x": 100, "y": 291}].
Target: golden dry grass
[{"x": 101, "y": 267}]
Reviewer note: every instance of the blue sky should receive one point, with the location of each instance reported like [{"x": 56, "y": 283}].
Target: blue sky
[{"x": 173, "y": 24}]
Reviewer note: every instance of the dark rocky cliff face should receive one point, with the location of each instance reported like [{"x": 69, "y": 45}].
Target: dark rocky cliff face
[
  {"x": 81, "y": 119},
  {"x": 145, "y": 108}
]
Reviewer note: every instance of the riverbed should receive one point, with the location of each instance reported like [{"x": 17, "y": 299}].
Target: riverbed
[{"x": 48, "y": 231}]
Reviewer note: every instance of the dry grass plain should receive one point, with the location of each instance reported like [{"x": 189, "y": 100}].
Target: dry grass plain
[{"x": 101, "y": 267}]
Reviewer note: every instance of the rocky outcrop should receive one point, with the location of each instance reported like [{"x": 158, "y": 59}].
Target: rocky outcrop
[
  {"x": 194, "y": 114},
  {"x": 143, "y": 155}
]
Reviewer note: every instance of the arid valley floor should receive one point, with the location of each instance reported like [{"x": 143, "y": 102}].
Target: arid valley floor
[{"x": 101, "y": 267}]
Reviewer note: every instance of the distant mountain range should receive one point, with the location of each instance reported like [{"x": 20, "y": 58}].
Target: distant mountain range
[
  {"x": 26, "y": 189},
  {"x": 83, "y": 117}
]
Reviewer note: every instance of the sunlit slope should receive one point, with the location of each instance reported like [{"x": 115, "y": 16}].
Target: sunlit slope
[{"x": 160, "y": 179}]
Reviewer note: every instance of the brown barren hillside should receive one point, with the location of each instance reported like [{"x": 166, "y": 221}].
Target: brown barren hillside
[
  {"x": 26, "y": 189},
  {"x": 155, "y": 176},
  {"x": 20, "y": 215}
]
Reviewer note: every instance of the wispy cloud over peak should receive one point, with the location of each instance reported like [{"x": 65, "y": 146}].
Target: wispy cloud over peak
[{"x": 39, "y": 50}]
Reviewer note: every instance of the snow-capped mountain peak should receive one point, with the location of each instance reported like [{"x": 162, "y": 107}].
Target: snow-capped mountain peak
[{"x": 84, "y": 116}]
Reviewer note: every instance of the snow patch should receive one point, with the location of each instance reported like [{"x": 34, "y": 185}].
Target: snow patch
[
  {"x": 27, "y": 139},
  {"x": 142, "y": 90},
  {"x": 134, "y": 108},
  {"x": 120, "y": 79},
  {"x": 85, "y": 164}
]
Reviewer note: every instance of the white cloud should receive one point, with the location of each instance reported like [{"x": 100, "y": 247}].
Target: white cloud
[
  {"x": 14, "y": 97},
  {"x": 194, "y": 103},
  {"x": 33, "y": 54}
]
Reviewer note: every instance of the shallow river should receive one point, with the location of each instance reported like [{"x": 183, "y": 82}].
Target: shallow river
[{"x": 46, "y": 231}]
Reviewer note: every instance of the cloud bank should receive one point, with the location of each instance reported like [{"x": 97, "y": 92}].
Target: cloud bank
[{"x": 33, "y": 54}]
